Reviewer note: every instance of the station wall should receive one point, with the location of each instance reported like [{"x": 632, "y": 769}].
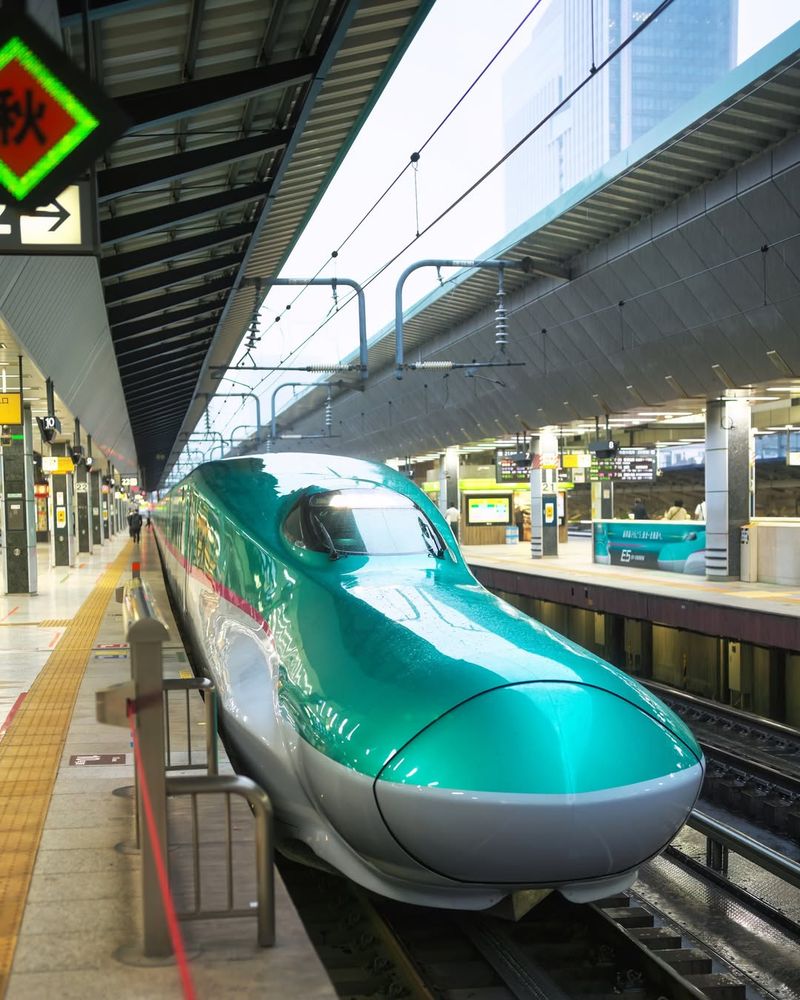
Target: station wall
[{"x": 759, "y": 679}]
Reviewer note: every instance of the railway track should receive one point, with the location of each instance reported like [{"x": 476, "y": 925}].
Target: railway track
[
  {"x": 375, "y": 948},
  {"x": 753, "y": 763}
]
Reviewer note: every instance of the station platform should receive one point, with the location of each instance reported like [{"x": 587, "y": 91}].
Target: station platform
[
  {"x": 69, "y": 884},
  {"x": 761, "y": 613}
]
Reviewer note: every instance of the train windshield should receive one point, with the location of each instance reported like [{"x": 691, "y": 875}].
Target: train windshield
[{"x": 363, "y": 522}]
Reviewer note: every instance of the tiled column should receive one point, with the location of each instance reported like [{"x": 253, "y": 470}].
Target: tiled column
[
  {"x": 62, "y": 545},
  {"x": 18, "y": 520},
  {"x": 544, "y": 496},
  {"x": 728, "y": 471}
]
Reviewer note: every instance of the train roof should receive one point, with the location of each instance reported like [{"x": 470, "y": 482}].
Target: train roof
[
  {"x": 252, "y": 486},
  {"x": 294, "y": 471}
]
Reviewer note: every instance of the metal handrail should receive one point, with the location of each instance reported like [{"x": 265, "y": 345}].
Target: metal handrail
[
  {"x": 771, "y": 861},
  {"x": 188, "y": 684},
  {"x": 257, "y": 798},
  {"x": 146, "y": 633}
]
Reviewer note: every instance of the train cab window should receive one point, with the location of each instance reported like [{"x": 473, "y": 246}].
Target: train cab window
[{"x": 362, "y": 522}]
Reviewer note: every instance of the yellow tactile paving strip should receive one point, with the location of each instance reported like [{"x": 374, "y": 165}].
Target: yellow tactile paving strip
[
  {"x": 30, "y": 755},
  {"x": 47, "y": 623}
]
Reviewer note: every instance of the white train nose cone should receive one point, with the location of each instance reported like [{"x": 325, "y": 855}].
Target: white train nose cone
[{"x": 538, "y": 784}]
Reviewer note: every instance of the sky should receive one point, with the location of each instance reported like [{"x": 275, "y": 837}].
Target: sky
[{"x": 431, "y": 78}]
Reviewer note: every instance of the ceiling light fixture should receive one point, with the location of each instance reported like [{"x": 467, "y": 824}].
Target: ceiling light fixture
[
  {"x": 723, "y": 376},
  {"x": 673, "y": 383},
  {"x": 779, "y": 362}
]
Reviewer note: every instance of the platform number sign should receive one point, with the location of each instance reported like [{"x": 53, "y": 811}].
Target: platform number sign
[{"x": 53, "y": 120}]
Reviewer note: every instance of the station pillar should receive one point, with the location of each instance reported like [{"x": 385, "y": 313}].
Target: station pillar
[
  {"x": 83, "y": 508},
  {"x": 449, "y": 493},
  {"x": 62, "y": 545},
  {"x": 95, "y": 498},
  {"x": 18, "y": 519},
  {"x": 112, "y": 502},
  {"x": 544, "y": 495},
  {"x": 95, "y": 501},
  {"x": 728, "y": 483},
  {"x": 602, "y": 500}
]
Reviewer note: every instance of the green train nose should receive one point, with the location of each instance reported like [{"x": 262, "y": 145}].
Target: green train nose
[{"x": 588, "y": 783}]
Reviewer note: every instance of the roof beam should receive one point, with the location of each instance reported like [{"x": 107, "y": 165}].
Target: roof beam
[
  {"x": 170, "y": 103},
  {"x": 146, "y": 388},
  {"x": 158, "y": 303},
  {"x": 150, "y": 362},
  {"x": 123, "y": 227},
  {"x": 161, "y": 371},
  {"x": 146, "y": 418},
  {"x": 159, "y": 341},
  {"x": 120, "y": 180},
  {"x": 167, "y": 322},
  {"x": 121, "y": 263},
  {"x": 71, "y": 11},
  {"x": 166, "y": 279},
  {"x": 146, "y": 393}
]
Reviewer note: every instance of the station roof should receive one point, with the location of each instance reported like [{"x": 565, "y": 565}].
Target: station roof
[
  {"x": 241, "y": 112},
  {"x": 755, "y": 107}
]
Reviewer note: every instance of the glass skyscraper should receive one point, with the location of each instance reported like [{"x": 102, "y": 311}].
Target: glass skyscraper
[{"x": 687, "y": 48}]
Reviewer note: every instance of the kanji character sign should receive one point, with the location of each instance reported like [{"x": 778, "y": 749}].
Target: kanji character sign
[{"x": 53, "y": 122}]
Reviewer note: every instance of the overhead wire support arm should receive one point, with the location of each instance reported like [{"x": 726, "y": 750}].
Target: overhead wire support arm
[
  {"x": 362, "y": 316},
  {"x": 218, "y": 372},
  {"x": 273, "y": 432},
  {"x": 501, "y": 336},
  {"x": 447, "y": 366},
  {"x": 240, "y": 395}
]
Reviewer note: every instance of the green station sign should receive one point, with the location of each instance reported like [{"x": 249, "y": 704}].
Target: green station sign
[{"x": 54, "y": 121}]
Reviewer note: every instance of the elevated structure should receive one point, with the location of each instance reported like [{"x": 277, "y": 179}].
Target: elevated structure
[
  {"x": 666, "y": 276},
  {"x": 239, "y": 120}
]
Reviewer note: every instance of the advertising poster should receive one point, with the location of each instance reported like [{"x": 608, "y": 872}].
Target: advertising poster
[{"x": 674, "y": 546}]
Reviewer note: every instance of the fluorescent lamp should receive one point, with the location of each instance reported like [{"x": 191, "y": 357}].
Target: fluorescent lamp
[
  {"x": 723, "y": 376},
  {"x": 779, "y": 362}
]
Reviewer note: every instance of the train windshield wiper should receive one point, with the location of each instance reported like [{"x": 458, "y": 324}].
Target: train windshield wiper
[
  {"x": 432, "y": 544},
  {"x": 326, "y": 538}
]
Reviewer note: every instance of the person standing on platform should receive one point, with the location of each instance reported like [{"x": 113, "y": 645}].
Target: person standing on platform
[
  {"x": 136, "y": 526},
  {"x": 700, "y": 511},
  {"x": 677, "y": 512},
  {"x": 452, "y": 516},
  {"x": 639, "y": 511}
]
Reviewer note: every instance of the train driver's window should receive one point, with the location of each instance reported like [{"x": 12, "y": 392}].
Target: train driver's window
[{"x": 373, "y": 521}]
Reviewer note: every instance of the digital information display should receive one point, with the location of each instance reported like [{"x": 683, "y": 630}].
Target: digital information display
[
  {"x": 511, "y": 466},
  {"x": 489, "y": 510},
  {"x": 628, "y": 465}
]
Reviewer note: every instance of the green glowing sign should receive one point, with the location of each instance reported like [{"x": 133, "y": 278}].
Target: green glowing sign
[{"x": 53, "y": 121}]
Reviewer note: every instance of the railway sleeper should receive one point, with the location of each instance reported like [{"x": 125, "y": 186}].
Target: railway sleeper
[
  {"x": 690, "y": 964},
  {"x": 719, "y": 986},
  {"x": 657, "y": 938}
]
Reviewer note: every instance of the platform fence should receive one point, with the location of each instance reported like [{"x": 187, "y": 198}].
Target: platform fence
[{"x": 143, "y": 704}]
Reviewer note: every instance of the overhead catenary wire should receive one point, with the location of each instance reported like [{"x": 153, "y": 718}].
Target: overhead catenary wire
[
  {"x": 414, "y": 158},
  {"x": 488, "y": 173}
]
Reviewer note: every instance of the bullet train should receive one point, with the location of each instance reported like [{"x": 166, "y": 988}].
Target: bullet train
[{"x": 415, "y": 732}]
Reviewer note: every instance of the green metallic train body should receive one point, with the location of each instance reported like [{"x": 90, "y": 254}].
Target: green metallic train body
[{"x": 374, "y": 692}]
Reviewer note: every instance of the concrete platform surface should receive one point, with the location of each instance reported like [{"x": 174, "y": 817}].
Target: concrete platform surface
[
  {"x": 574, "y": 563},
  {"x": 83, "y": 908}
]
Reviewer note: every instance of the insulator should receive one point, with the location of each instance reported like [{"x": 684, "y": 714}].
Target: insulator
[
  {"x": 331, "y": 368},
  {"x": 500, "y": 324},
  {"x": 432, "y": 366},
  {"x": 328, "y": 415}
]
